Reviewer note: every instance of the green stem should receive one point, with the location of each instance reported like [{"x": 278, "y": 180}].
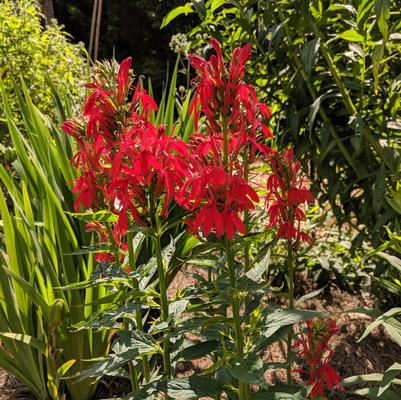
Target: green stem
[
  {"x": 290, "y": 260},
  {"x": 239, "y": 339},
  {"x": 132, "y": 372},
  {"x": 138, "y": 313},
  {"x": 161, "y": 271},
  {"x": 246, "y": 213},
  {"x": 164, "y": 303}
]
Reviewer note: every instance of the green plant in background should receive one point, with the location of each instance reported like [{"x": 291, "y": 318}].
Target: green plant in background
[
  {"x": 36, "y": 53},
  {"x": 331, "y": 71},
  {"x": 43, "y": 253},
  {"x": 385, "y": 385}
]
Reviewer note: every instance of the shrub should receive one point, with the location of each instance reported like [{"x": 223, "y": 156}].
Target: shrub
[{"x": 35, "y": 53}]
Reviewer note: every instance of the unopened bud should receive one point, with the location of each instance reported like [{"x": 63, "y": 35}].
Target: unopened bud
[{"x": 57, "y": 312}]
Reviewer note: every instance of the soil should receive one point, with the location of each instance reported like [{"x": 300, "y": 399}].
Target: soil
[{"x": 374, "y": 354}]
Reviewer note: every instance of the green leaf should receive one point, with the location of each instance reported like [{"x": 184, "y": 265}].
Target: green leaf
[
  {"x": 309, "y": 296},
  {"x": 309, "y": 54},
  {"x": 393, "y": 260},
  {"x": 98, "y": 216},
  {"x": 257, "y": 272},
  {"x": 351, "y": 35},
  {"x": 174, "y": 13},
  {"x": 65, "y": 367},
  {"x": 198, "y": 350},
  {"x": 273, "y": 395},
  {"x": 106, "y": 319},
  {"x": 141, "y": 341},
  {"x": 391, "y": 313},
  {"x": 281, "y": 317},
  {"x": 193, "y": 387},
  {"x": 382, "y": 8},
  {"x": 29, "y": 340},
  {"x": 388, "y": 377},
  {"x": 249, "y": 369}
]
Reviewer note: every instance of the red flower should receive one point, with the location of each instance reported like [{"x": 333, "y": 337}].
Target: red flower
[
  {"x": 216, "y": 198},
  {"x": 228, "y": 102},
  {"x": 122, "y": 158},
  {"x": 287, "y": 193},
  {"x": 314, "y": 349}
]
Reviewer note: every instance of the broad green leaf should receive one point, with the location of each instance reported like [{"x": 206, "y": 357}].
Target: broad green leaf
[
  {"x": 249, "y": 369},
  {"x": 351, "y": 35},
  {"x": 98, "y": 216},
  {"x": 198, "y": 350},
  {"x": 256, "y": 272},
  {"x": 193, "y": 387},
  {"x": 174, "y": 13},
  {"x": 141, "y": 341}
]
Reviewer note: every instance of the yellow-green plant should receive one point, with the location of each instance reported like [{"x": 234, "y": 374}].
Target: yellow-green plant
[
  {"x": 40, "y": 256},
  {"x": 35, "y": 52}
]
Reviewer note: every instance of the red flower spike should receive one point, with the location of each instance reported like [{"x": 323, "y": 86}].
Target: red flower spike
[
  {"x": 216, "y": 198},
  {"x": 287, "y": 193},
  {"x": 314, "y": 350},
  {"x": 122, "y": 158},
  {"x": 228, "y": 102}
]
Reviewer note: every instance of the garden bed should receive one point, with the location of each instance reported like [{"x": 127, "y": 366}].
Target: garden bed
[{"x": 374, "y": 354}]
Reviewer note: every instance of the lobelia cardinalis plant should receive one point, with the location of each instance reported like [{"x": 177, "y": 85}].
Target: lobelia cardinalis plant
[
  {"x": 131, "y": 168},
  {"x": 314, "y": 351},
  {"x": 137, "y": 176}
]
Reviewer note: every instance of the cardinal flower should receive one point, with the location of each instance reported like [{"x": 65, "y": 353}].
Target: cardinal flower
[
  {"x": 216, "y": 198},
  {"x": 287, "y": 193},
  {"x": 315, "y": 353},
  {"x": 229, "y": 104}
]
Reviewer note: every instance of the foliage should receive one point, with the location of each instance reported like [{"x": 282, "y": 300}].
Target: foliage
[
  {"x": 142, "y": 178},
  {"x": 390, "y": 281},
  {"x": 42, "y": 254},
  {"x": 332, "y": 257},
  {"x": 36, "y": 53},
  {"x": 331, "y": 71}
]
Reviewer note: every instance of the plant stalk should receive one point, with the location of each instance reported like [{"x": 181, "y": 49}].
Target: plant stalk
[
  {"x": 290, "y": 260},
  {"x": 164, "y": 303},
  {"x": 138, "y": 313},
  {"x": 239, "y": 339}
]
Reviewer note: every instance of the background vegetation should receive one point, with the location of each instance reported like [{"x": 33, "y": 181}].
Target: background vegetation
[{"x": 331, "y": 71}]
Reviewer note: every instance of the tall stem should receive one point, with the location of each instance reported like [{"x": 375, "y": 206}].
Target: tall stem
[
  {"x": 161, "y": 271},
  {"x": 164, "y": 303},
  {"x": 239, "y": 339},
  {"x": 138, "y": 313},
  {"x": 290, "y": 260}
]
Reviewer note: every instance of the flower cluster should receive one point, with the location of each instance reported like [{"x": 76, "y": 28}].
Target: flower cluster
[
  {"x": 314, "y": 349},
  {"x": 130, "y": 166},
  {"x": 218, "y": 191},
  {"x": 229, "y": 104},
  {"x": 125, "y": 162},
  {"x": 287, "y": 192}
]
